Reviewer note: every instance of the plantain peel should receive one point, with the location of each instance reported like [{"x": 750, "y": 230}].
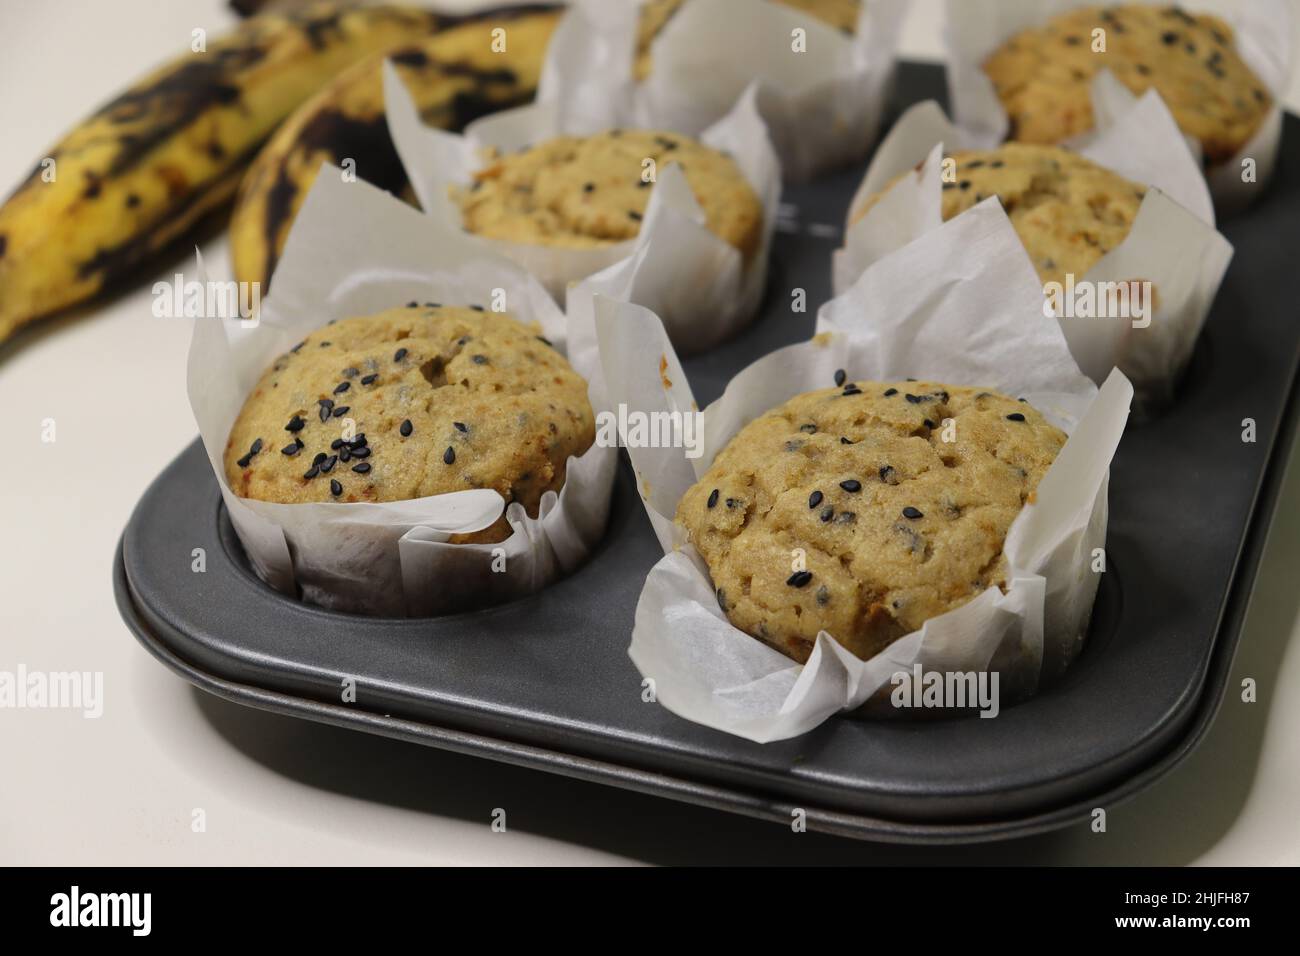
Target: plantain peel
[
  {"x": 146, "y": 166},
  {"x": 455, "y": 76}
]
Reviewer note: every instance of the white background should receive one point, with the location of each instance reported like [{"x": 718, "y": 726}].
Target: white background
[{"x": 121, "y": 789}]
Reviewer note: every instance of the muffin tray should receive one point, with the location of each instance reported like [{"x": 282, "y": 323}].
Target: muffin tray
[{"x": 546, "y": 682}]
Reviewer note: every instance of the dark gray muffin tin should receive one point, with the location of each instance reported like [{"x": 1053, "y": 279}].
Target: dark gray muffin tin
[{"x": 545, "y": 681}]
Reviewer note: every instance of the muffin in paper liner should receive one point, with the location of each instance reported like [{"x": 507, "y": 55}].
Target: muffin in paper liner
[
  {"x": 707, "y": 287},
  {"x": 355, "y": 250},
  {"x": 823, "y": 104},
  {"x": 1172, "y": 243},
  {"x": 957, "y": 306},
  {"x": 1264, "y": 36}
]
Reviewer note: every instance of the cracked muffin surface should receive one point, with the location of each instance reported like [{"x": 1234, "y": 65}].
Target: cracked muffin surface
[
  {"x": 591, "y": 191},
  {"x": 414, "y": 401},
  {"x": 1067, "y": 210},
  {"x": 846, "y": 510},
  {"x": 1042, "y": 76}
]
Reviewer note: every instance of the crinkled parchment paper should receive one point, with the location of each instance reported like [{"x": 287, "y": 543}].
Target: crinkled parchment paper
[
  {"x": 354, "y": 250},
  {"x": 823, "y": 103},
  {"x": 960, "y": 306},
  {"x": 1172, "y": 244}
]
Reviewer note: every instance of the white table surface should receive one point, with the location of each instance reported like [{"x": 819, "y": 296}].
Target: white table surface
[{"x": 122, "y": 789}]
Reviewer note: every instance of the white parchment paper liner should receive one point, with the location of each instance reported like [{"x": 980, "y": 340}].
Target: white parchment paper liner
[
  {"x": 355, "y": 250},
  {"x": 823, "y": 106},
  {"x": 1264, "y": 34},
  {"x": 1172, "y": 243},
  {"x": 957, "y": 306},
  {"x": 707, "y": 288}
]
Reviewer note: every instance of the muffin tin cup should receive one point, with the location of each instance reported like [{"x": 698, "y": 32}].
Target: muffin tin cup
[
  {"x": 1264, "y": 38},
  {"x": 823, "y": 93},
  {"x": 708, "y": 290},
  {"x": 545, "y": 681},
  {"x": 956, "y": 307},
  {"x": 354, "y": 250},
  {"x": 1172, "y": 243}
]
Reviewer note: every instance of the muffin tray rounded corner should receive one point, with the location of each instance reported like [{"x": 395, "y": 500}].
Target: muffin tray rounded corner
[{"x": 545, "y": 681}]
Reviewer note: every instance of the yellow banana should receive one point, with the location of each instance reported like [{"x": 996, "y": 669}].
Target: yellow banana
[
  {"x": 455, "y": 76},
  {"x": 146, "y": 166}
]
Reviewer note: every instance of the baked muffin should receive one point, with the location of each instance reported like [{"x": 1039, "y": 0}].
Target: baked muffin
[
  {"x": 894, "y": 524},
  {"x": 442, "y": 398},
  {"x": 1042, "y": 75},
  {"x": 584, "y": 192},
  {"x": 655, "y": 14},
  {"x": 1067, "y": 210}
]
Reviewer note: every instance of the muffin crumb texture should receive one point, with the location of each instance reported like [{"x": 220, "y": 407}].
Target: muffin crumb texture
[
  {"x": 415, "y": 401},
  {"x": 1067, "y": 210},
  {"x": 1042, "y": 76},
  {"x": 846, "y": 510},
  {"x": 587, "y": 192}
]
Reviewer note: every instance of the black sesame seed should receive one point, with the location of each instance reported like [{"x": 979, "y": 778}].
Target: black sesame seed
[
  {"x": 362, "y": 452},
  {"x": 840, "y": 376},
  {"x": 291, "y": 449},
  {"x": 433, "y": 305},
  {"x": 634, "y": 215},
  {"x": 298, "y": 346},
  {"x": 342, "y": 387},
  {"x": 326, "y": 344},
  {"x": 311, "y": 472},
  {"x": 345, "y": 453},
  {"x": 243, "y": 462},
  {"x": 327, "y": 465},
  {"x": 358, "y": 441},
  {"x": 406, "y": 428},
  {"x": 732, "y": 502},
  {"x": 851, "y": 390},
  {"x": 851, "y": 485},
  {"x": 886, "y": 473},
  {"x": 827, "y": 513},
  {"x": 399, "y": 355},
  {"x": 462, "y": 340},
  {"x": 588, "y": 187},
  {"x": 362, "y": 468},
  {"x": 295, "y": 424},
  {"x": 335, "y": 488},
  {"x": 1169, "y": 38},
  {"x": 544, "y": 340},
  {"x": 722, "y": 599},
  {"x": 799, "y": 579},
  {"x": 911, "y": 513},
  {"x": 914, "y": 399},
  {"x": 964, "y": 185},
  {"x": 927, "y": 423},
  {"x": 255, "y": 447},
  {"x": 845, "y": 441},
  {"x": 477, "y": 308},
  {"x": 336, "y": 444},
  {"x": 814, "y": 499},
  {"x": 412, "y": 304},
  {"x": 320, "y": 457},
  {"x": 369, "y": 379},
  {"x": 713, "y": 498},
  {"x": 1015, "y": 417},
  {"x": 342, "y": 410},
  {"x": 846, "y": 517},
  {"x": 889, "y": 392},
  {"x": 480, "y": 359},
  {"x": 449, "y": 456},
  {"x": 809, "y": 429},
  {"x": 823, "y": 596},
  {"x": 351, "y": 372}
]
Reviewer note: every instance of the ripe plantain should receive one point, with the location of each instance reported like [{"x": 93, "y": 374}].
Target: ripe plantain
[
  {"x": 149, "y": 164},
  {"x": 454, "y": 76}
]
